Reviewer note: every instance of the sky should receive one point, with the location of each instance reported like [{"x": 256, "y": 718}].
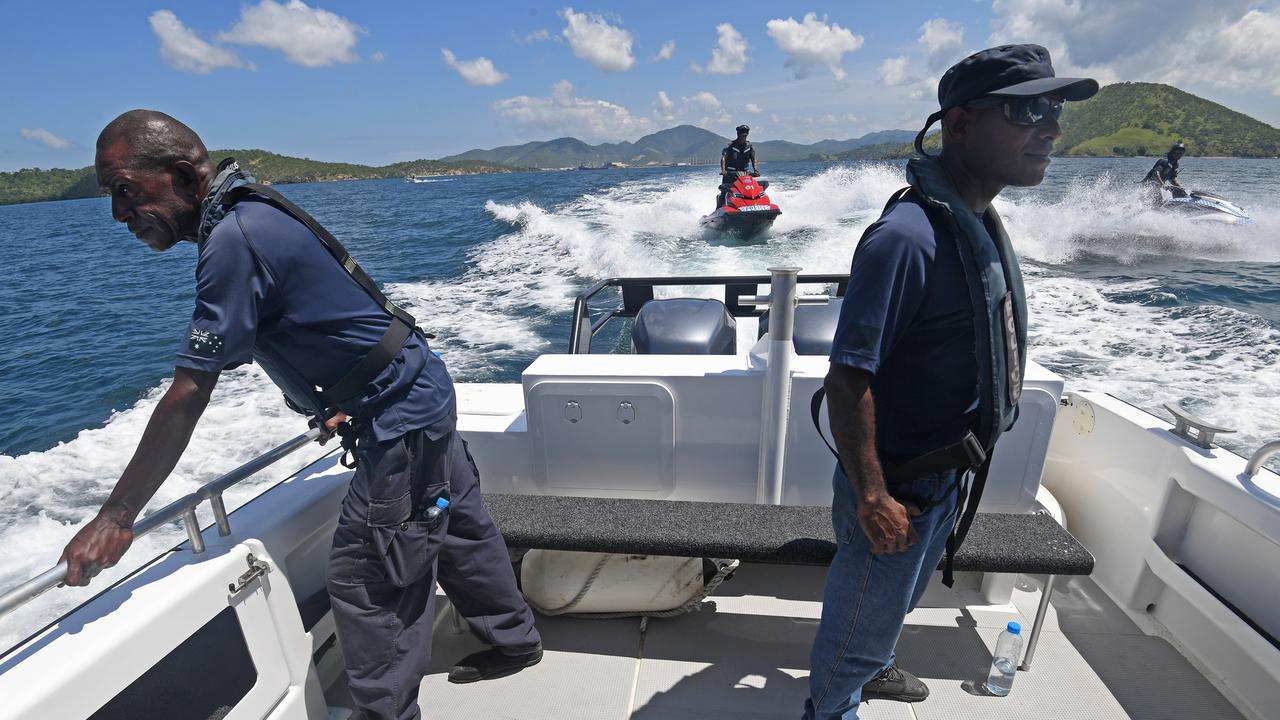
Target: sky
[{"x": 380, "y": 82}]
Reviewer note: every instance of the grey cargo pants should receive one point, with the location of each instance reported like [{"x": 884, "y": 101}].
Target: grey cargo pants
[{"x": 383, "y": 568}]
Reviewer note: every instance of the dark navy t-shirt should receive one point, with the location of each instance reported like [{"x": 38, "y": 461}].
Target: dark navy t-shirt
[
  {"x": 265, "y": 279},
  {"x": 907, "y": 319}
]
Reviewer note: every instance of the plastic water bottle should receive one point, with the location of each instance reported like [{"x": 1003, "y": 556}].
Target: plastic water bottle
[
  {"x": 1004, "y": 663},
  {"x": 432, "y": 514}
]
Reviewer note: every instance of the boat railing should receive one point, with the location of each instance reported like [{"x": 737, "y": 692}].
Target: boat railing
[
  {"x": 184, "y": 508},
  {"x": 738, "y": 290}
]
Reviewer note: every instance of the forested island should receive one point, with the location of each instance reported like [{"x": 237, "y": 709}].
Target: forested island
[
  {"x": 1134, "y": 119},
  {"x": 35, "y": 185}
]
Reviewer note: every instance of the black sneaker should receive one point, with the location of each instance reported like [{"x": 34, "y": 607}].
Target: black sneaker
[
  {"x": 895, "y": 684},
  {"x": 490, "y": 664}
]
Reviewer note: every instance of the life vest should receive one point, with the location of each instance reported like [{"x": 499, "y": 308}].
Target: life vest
[
  {"x": 999, "y": 304},
  {"x": 232, "y": 185},
  {"x": 996, "y": 294}
]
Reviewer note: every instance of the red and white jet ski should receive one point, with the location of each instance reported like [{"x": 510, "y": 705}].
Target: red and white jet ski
[{"x": 745, "y": 209}]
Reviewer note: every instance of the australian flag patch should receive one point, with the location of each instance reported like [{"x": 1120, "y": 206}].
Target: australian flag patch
[{"x": 204, "y": 343}]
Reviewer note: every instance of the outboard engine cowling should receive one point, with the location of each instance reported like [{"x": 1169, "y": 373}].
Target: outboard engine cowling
[
  {"x": 815, "y": 327},
  {"x": 684, "y": 326}
]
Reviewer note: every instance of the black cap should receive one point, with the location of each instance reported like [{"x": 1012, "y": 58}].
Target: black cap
[
  {"x": 1008, "y": 71},
  {"x": 742, "y": 129},
  {"x": 1005, "y": 71}
]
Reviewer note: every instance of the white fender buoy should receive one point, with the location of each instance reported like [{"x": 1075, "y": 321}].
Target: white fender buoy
[{"x": 557, "y": 581}]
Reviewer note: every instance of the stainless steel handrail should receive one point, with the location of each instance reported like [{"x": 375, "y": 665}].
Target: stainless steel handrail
[
  {"x": 184, "y": 507},
  {"x": 1263, "y": 454}
]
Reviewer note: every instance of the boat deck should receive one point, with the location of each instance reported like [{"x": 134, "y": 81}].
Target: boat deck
[{"x": 749, "y": 657}]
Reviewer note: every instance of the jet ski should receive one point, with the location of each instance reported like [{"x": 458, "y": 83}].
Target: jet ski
[
  {"x": 744, "y": 208},
  {"x": 1200, "y": 206}
]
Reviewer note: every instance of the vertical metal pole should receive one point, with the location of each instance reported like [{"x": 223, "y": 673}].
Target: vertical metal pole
[
  {"x": 1038, "y": 623},
  {"x": 193, "y": 531},
  {"x": 220, "y": 514},
  {"x": 777, "y": 385}
]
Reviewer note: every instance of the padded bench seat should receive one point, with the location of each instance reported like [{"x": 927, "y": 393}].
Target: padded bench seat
[{"x": 793, "y": 534}]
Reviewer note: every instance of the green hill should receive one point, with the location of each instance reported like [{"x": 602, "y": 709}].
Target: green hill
[
  {"x": 35, "y": 185},
  {"x": 1146, "y": 118},
  {"x": 1135, "y": 120}
]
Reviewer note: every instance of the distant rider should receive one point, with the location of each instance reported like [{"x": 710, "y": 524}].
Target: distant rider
[
  {"x": 1165, "y": 171},
  {"x": 733, "y": 160}
]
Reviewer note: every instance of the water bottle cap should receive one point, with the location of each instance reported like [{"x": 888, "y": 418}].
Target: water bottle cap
[
  {"x": 1014, "y": 628},
  {"x": 442, "y": 503}
]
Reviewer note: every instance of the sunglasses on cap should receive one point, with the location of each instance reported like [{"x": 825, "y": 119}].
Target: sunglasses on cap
[{"x": 1023, "y": 110}]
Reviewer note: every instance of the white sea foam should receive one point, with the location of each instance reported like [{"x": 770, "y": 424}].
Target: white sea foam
[
  {"x": 45, "y": 497},
  {"x": 1109, "y": 217}
]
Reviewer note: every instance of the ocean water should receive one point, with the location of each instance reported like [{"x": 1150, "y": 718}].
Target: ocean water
[{"x": 1123, "y": 299}]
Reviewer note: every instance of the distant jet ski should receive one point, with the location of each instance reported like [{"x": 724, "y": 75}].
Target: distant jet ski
[
  {"x": 746, "y": 210},
  {"x": 1200, "y": 206}
]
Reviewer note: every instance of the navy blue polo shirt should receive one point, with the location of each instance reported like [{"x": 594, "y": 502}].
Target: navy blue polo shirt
[
  {"x": 907, "y": 319},
  {"x": 263, "y": 278}
]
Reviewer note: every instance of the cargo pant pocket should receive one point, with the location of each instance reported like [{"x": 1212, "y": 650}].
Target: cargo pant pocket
[{"x": 406, "y": 546}]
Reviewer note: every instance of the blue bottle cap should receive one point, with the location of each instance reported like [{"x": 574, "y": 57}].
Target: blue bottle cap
[
  {"x": 443, "y": 503},
  {"x": 1014, "y": 628}
]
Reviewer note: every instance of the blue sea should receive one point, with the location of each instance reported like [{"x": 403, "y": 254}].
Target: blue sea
[{"x": 1124, "y": 299}]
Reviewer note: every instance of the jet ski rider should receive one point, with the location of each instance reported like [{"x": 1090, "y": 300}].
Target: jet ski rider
[
  {"x": 733, "y": 160},
  {"x": 1165, "y": 171}
]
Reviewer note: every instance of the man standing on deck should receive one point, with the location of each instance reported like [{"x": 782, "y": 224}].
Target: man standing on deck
[
  {"x": 734, "y": 159},
  {"x": 270, "y": 288},
  {"x": 926, "y": 365}
]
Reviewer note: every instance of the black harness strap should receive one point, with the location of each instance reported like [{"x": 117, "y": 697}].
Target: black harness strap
[{"x": 402, "y": 323}]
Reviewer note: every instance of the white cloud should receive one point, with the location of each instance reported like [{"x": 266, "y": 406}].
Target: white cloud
[
  {"x": 753, "y": 108},
  {"x": 475, "y": 72},
  {"x": 537, "y": 36},
  {"x": 593, "y": 39},
  {"x": 813, "y": 43},
  {"x": 45, "y": 137},
  {"x": 307, "y": 36},
  {"x": 893, "y": 71},
  {"x": 729, "y": 56},
  {"x": 667, "y": 52},
  {"x": 1247, "y": 52},
  {"x": 703, "y": 102},
  {"x": 377, "y": 57},
  {"x": 566, "y": 114},
  {"x": 182, "y": 49},
  {"x": 1227, "y": 44},
  {"x": 944, "y": 41},
  {"x": 663, "y": 106}
]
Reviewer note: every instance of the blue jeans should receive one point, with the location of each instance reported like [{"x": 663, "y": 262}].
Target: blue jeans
[{"x": 868, "y": 596}]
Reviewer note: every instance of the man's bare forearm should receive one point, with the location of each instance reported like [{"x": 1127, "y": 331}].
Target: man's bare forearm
[
  {"x": 852, "y": 412},
  {"x": 165, "y": 438}
]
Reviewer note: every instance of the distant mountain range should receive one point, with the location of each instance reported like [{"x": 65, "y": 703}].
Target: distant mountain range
[
  {"x": 683, "y": 143},
  {"x": 1125, "y": 119}
]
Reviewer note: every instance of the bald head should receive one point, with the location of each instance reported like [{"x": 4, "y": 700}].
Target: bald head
[
  {"x": 155, "y": 141},
  {"x": 157, "y": 172}
]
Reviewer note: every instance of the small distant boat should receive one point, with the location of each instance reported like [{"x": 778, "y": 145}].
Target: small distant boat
[{"x": 420, "y": 178}]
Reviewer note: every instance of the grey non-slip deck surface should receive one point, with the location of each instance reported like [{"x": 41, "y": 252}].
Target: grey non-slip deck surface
[{"x": 749, "y": 659}]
